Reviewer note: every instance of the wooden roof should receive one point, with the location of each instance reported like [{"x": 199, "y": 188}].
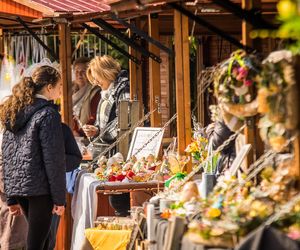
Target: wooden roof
[
  {"x": 56, "y": 7},
  {"x": 128, "y": 8},
  {"x": 9, "y": 10}
]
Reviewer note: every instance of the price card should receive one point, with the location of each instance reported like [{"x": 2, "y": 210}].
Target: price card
[{"x": 141, "y": 136}]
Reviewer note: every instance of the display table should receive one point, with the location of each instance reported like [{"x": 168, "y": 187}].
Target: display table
[{"x": 91, "y": 200}]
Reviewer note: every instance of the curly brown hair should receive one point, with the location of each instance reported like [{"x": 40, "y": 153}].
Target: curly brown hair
[{"x": 23, "y": 93}]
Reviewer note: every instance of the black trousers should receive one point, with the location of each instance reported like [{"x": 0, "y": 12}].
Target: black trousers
[
  {"x": 121, "y": 204},
  {"x": 38, "y": 212}
]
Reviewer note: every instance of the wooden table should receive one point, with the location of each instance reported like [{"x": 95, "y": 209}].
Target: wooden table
[
  {"x": 139, "y": 193},
  {"x": 120, "y": 187}
]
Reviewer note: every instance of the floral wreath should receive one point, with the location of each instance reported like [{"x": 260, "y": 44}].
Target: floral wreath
[
  {"x": 277, "y": 99},
  {"x": 233, "y": 87}
]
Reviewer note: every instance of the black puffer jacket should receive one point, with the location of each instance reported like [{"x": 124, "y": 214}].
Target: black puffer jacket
[
  {"x": 34, "y": 155},
  {"x": 73, "y": 154}
]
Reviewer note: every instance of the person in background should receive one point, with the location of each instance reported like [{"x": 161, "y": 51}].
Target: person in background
[
  {"x": 106, "y": 72},
  {"x": 73, "y": 159},
  {"x": 85, "y": 97},
  {"x": 33, "y": 153},
  {"x": 218, "y": 132}
]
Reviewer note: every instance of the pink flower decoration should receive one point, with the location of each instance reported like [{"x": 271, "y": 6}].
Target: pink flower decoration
[
  {"x": 248, "y": 83},
  {"x": 243, "y": 72}
]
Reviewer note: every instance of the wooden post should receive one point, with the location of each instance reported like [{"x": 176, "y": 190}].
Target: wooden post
[
  {"x": 1, "y": 41},
  {"x": 134, "y": 112},
  {"x": 251, "y": 131},
  {"x": 154, "y": 73},
  {"x": 182, "y": 78},
  {"x": 135, "y": 73},
  {"x": 65, "y": 230},
  {"x": 65, "y": 63},
  {"x": 123, "y": 126},
  {"x": 200, "y": 97}
]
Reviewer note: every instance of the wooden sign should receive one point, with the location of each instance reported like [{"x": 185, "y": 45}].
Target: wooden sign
[
  {"x": 141, "y": 136},
  {"x": 239, "y": 159}
]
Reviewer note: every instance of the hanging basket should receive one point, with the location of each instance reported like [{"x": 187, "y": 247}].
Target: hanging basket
[{"x": 235, "y": 83}]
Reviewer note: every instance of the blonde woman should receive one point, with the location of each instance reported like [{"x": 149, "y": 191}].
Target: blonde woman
[{"x": 106, "y": 72}]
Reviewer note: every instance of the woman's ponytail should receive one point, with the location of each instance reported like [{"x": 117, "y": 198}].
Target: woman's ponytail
[{"x": 23, "y": 93}]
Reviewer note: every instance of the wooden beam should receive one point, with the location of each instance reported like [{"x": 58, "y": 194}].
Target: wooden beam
[
  {"x": 133, "y": 70},
  {"x": 200, "y": 96},
  {"x": 1, "y": 42},
  {"x": 65, "y": 62},
  {"x": 123, "y": 121},
  {"x": 182, "y": 78},
  {"x": 246, "y": 27},
  {"x": 186, "y": 80},
  {"x": 251, "y": 131},
  {"x": 66, "y": 112},
  {"x": 154, "y": 73},
  {"x": 139, "y": 78}
]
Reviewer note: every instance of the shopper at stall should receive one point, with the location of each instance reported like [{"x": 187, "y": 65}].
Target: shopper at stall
[
  {"x": 106, "y": 72},
  {"x": 73, "y": 159},
  {"x": 33, "y": 153},
  {"x": 85, "y": 97},
  {"x": 218, "y": 132}
]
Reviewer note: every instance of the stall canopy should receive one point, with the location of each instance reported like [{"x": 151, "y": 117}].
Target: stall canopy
[{"x": 56, "y": 7}]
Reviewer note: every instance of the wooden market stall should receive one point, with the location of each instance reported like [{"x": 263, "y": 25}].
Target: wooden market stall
[{"x": 162, "y": 77}]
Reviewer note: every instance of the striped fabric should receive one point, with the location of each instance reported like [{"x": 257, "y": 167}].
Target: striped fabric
[{"x": 107, "y": 108}]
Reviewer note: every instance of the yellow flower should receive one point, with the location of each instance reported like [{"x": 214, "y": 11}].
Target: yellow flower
[
  {"x": 213, "y": 212},
  {"x": 192, "y": 148},
  {"x": 253, "y": 213},
  {"x": 256, "y": 205},
  {"x": 274, "y": 88},
  {"x": 297, "y": 208},
  {"x": 287, "y": 9},
  {"x": 7, "y": 76}
]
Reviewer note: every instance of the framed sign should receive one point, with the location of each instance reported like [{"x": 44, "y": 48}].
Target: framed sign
[{"x": 140, "y": 136}]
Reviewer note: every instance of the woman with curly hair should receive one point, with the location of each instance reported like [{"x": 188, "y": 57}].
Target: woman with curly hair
[{"x": 33, "y": 153}]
